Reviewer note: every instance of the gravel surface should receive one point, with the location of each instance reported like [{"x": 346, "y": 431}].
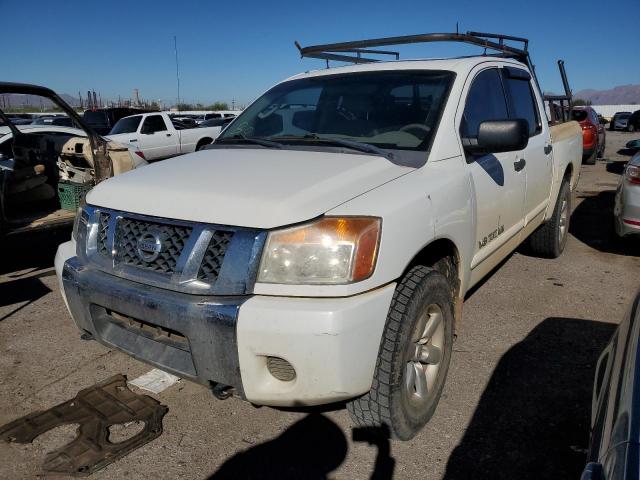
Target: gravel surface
[{"x": 516, "y": 403}]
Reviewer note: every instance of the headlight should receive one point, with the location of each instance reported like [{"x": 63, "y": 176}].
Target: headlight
[{"x": 332, "y": 250}]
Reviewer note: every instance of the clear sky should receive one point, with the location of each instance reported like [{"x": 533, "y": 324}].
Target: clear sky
[{"x": 237, "y": 49}]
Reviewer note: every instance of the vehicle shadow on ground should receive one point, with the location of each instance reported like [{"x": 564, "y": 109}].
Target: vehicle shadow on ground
[
  {"x": 23, "y": 290},
  {"x": 592, "y": 224},
  {"x": 34, "y": 251},
  {"x": 616, "y": 167},
  {"x": 311, "y": 448},
  {"x": 533, "y": 418},
  {"x": 629, "y": 152}
]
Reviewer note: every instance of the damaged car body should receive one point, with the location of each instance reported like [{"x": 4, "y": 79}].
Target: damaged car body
[{"x": 36, "y": 164}]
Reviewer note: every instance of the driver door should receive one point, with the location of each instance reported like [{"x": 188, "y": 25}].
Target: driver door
[
  {"x": 155, "y": 140},
  {"x": 497, "y": 179}
]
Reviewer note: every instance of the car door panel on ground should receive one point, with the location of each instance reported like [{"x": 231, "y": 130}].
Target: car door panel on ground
[
  {"x": 524, "y": 103},
  {"x": 153, "y": 138},
  {"x": 498, "y": 182}
]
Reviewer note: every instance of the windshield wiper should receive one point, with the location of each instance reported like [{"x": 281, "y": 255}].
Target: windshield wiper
[
  {"x": 255, "y": 140},
  {"x": 352, "y": 144}
]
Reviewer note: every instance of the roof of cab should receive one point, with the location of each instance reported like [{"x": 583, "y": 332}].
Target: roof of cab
[{"x": 458, "y": 65}]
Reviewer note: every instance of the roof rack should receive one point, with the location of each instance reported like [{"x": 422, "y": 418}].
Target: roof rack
[
  {"x": 489, "y": 41},
  {"x": 337, "y": 51}
]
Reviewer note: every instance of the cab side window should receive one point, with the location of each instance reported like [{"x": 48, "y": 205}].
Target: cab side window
[
  {"x": 485, "y": 102},
  {"x": 153, "y": 124},
  {"x": 523, "y": 103}
]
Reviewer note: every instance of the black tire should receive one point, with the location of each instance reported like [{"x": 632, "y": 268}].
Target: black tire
[
  {"x": 601, "y": 149},
  {"x": 388, "y": 404},
  {"x": 548, "y": 241},
  {"x": 203, "y": 143},
  {"x": 591, "y": 159}
]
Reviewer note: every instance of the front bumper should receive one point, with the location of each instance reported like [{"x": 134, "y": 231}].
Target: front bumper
[{"x": 332, "y": 343}]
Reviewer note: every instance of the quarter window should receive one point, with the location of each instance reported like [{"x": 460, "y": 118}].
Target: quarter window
[{"x": 485, "y": 102}]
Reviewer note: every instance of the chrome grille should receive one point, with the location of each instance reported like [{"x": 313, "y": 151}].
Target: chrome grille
[
  {"x": 173, "y": 237},
  {"x": 103, "y": 229},
  {"x": 183, "y": 256},
  {"x": 214, "y": 256}
]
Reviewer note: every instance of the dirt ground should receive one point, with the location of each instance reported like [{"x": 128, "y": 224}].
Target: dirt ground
[{"x": 516, "y": 403}]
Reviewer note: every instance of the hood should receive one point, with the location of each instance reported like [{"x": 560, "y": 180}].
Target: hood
[{"x": 257, "y": 188}]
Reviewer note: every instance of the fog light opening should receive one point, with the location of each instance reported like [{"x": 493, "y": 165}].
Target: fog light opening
[{"x": 280, "y": 369}]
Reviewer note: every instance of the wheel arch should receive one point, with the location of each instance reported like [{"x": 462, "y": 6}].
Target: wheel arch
[
  {"x": 203, "y": 141},
  {"x": 444, "y": 255}
]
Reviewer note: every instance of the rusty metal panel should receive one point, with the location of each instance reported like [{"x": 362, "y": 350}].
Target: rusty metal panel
[{"x": 95, "y": 409}]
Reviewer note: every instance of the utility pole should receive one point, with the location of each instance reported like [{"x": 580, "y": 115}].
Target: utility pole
[{"x": 175, "y": 47}]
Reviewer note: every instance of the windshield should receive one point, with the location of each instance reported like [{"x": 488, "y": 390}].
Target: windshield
[
  {"x": 624, "y": 116},
  {"x": 389, "y": 109},
  {"x": 126, "y": 125}
]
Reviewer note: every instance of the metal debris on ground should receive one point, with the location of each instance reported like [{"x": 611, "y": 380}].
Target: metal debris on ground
[{"x": 95, "y": 409}]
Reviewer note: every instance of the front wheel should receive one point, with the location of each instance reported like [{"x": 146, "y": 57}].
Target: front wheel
[
  {"x": 414, "y": 356},
  {"x": 549, "y": 240}
]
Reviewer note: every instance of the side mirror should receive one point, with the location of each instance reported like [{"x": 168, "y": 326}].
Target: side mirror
[{"x": 497, "y": 136}]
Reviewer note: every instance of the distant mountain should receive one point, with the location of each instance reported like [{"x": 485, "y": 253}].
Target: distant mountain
[
  {"x": 16, "y": 100},
  {"x": 622, "y": 95}
]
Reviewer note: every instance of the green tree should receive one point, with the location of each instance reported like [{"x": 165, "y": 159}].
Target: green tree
[
  {"x": 580, "y": 102},
  {"x": 218, "y": 106},
  {"x": 185, "y": 106}
]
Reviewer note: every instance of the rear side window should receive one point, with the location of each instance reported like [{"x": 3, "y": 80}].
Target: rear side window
[
  {"x": 485, "y": 102},
  {"x": 523, "y": 104},
  {"x": 152, "y": 124}
]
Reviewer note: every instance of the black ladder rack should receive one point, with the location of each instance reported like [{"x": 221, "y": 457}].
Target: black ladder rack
[{"x": 489, "y": 41}]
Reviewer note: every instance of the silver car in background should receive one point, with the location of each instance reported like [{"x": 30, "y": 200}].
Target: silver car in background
[{"x": 627, "y": 206}]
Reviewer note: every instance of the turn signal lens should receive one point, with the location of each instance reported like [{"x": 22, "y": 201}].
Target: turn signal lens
[{"x": 332, "y": 250}]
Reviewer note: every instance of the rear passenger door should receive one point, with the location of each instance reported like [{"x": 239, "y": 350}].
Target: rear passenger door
[
  {"x": 156, "y": 140},
  {"x": 524, "y": 101},
  {"x": 497, "y": 183}
]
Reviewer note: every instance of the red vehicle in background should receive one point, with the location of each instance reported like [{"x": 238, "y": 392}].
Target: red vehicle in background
[{"x": 593, "y": 133}]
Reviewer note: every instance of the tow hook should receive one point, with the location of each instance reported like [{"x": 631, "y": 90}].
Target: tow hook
[{"x": 221, "y": 391}]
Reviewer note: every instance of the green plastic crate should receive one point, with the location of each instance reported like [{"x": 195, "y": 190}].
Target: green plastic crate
[{"x": 71, "y": 194}]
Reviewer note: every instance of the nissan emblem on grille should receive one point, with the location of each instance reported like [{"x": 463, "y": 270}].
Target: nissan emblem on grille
[{"x": 149, "y": 246}]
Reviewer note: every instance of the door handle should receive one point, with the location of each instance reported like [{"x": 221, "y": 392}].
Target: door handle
[
  {"x": 519, "y": 165},
  {"x": 133, "y": 140},
  {"x": 168, "y": 134},
  {"x": 547, "y": 149}
]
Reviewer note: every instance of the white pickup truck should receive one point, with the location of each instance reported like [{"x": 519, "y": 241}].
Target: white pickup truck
[
  {"x": 157, "y": 137},
  {"x": 321, "y": 249}
]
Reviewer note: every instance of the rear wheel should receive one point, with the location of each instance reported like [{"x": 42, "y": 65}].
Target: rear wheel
[
  {"x": 414, "y": 356},
  {"x": 591, "y": 159},
  {"x": 203, "y": 143},
  {"x": 551, "y": 238}
]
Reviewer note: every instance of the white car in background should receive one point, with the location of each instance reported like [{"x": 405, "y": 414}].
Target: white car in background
[
  {"x": 159, "y": 137},
  {"x": 627, "y": 206}
]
